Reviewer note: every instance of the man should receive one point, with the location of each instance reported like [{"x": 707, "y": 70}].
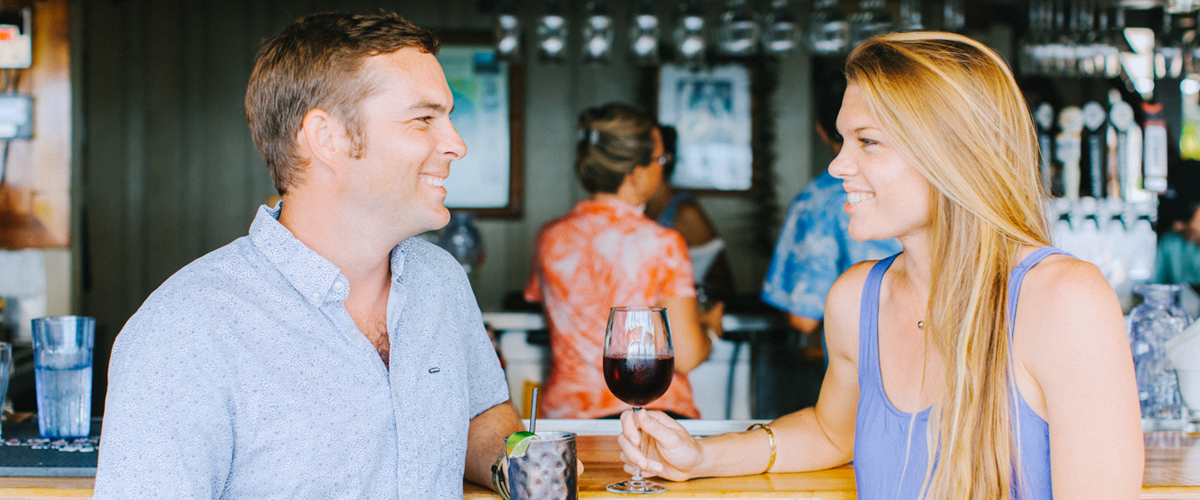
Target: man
[{"x": 327, "y": 354}]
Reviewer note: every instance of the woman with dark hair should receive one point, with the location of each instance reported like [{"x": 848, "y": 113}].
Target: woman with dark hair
[
  {"x": 679, "y": 210},
  {"x": 606, "y": 253}
]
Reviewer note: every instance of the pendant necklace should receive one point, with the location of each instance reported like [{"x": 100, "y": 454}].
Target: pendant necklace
[{"x": 921, "y": 325}]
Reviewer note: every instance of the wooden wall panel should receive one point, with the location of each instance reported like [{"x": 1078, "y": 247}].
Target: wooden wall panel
[{"x": 35, "y": 201}]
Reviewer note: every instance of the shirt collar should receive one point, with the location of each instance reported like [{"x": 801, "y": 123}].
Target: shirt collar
[
  {"x": 317, "y": 279},
  {"x": 609, "y": 205}
]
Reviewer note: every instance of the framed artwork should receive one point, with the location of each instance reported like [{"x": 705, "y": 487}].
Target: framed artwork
[
  {"x": 710, "y": 109},
  {"x": 488, "y": 115}
]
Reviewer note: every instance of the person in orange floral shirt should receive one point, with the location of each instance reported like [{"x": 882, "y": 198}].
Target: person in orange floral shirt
[{"x": 606, "y": 253}]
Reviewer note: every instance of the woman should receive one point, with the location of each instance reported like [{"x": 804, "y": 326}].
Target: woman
[
  {"x": 605, "y": 253},
  {"x": 929, "y": 353},
  {"x": 679, "y": 210}
]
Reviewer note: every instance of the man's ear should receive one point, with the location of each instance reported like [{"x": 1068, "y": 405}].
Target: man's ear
[{"x": 323, "y": 138}]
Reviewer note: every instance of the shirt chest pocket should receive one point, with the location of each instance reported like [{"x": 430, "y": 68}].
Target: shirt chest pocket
[{"x": 438, "y": 383}]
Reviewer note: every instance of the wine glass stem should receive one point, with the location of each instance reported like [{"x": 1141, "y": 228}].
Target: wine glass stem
[{"x": 637, "y": 476}]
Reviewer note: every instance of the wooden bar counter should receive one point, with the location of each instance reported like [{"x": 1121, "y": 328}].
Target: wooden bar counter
[{"x": 1172, "y": 472}]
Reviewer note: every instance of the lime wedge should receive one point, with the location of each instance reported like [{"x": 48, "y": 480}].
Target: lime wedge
[{"x": 518, "y": 442}]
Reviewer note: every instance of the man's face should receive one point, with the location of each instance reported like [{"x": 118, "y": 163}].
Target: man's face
[
  {"x": 410, "y": 143},
  {"x": 1191, "y": 229}
]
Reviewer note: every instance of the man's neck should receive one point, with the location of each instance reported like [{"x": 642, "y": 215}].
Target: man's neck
[{"x": 362, "y": 255}]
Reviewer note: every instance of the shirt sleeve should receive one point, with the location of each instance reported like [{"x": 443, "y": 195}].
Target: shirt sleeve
[
  {"x": 675, "y": 268},
  {"x": 1162, "y": 262},
  {"x": 488, "y": 385},
  {"x": 167, "y": 419},
  {"x": 805, "y": 263}
]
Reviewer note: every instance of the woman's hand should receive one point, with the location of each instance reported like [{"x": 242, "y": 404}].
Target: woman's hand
[{"x": 661, "y": 447}]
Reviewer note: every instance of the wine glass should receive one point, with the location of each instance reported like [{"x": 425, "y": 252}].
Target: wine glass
[{"x": 639, "y": 364}]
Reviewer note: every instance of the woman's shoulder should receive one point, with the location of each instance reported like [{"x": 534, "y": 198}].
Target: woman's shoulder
[
  {"x": 1062, "y": 279},
  {"x": 846, "y": 292},
  {"x": 1065, "y": 303}
]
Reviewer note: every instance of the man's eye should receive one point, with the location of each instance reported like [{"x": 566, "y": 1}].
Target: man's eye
[{"x": 426, "y": 119}]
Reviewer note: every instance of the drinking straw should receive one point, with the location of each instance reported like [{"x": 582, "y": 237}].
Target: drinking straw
[{"x": 533, "y": 414}]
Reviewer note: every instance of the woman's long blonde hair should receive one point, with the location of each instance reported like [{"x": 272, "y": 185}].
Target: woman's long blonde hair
[{"x": 958, "y": 116}]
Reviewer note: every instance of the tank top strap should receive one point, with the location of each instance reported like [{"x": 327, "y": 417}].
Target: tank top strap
[
  {"x": 667, "y": 217},
  {"x": 1018, "y": 276},
  {"x": 868, "y": 326}
]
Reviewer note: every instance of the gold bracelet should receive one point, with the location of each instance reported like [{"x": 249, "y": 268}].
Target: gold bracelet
[{"x": 771, "y": 438}]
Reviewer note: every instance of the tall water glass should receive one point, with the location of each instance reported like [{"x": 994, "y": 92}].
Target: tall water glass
[
  {"x": 5, "y": 371},
  {"x": 62, "y": 361}
]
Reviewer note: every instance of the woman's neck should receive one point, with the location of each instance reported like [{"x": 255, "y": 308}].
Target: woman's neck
[
  {"x": 629, "y": 197},
  {"x": 917, "y": 263}
]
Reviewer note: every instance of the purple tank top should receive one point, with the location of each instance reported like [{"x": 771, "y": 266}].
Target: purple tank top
[{"x": 882, "y": 442}]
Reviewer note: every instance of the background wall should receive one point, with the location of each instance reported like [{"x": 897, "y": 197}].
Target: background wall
[{"x": 169, "y": 172}]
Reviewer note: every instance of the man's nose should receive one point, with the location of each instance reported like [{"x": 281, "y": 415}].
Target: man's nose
[{"x": 453, "y": 145}]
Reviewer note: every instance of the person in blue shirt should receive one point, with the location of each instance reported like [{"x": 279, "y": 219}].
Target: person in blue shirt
[
  {"x": 814, "y": 247},
  {"x": 1178, "y": 258}
]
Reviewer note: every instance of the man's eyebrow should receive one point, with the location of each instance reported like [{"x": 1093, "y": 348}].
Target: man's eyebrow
[{"x": 429, "y": 105}]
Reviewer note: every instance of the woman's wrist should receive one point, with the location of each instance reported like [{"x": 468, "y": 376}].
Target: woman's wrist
[{"x": 704, "y": 466}]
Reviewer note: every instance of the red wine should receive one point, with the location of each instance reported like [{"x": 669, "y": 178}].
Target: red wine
[{"x": 638, "y": 380}]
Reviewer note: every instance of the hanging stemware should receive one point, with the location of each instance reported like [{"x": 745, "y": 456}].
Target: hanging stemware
[
  {"x": 781, "y": 32},
  {"x": 552, "y": 34},
  {"x": 738, "y": 31},
  {"x": 871, "y": 19},
  {"x": 643, "y": 34},
  {"x": 689, "y": 32}
]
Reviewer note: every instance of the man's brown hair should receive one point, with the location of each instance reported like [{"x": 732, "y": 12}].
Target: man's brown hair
[{"x": 316, "y": 63}]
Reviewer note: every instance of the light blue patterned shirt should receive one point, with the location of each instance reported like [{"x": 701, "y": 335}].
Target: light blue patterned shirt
[
  {"x": 243, "y": 376},
  {"x": 814, "y": 248}
]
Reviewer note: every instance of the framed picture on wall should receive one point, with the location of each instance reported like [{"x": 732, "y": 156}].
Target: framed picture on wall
[
  {"x": 710, "y": 109},
  {"x": 487, "y": 113}
]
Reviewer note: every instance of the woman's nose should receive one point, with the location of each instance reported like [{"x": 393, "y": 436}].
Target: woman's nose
[{"x": 841, "y": 166}]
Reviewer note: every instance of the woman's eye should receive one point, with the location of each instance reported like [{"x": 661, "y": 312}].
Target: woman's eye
[{"x": 867, "y": 142}]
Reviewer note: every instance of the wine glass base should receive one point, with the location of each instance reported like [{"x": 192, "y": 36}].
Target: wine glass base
[{"x": 636, "y": 487}]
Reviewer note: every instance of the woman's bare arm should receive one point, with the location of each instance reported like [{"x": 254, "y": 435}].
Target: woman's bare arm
[
  {"x": 692, "y": 345},
  {"x": 810, "y": 439},
  {"x": 1072, "y": 341}
]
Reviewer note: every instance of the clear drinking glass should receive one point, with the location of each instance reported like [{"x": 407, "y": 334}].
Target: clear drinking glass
[
  {"x": 639, "y": 364},
  {"x": 1152, "y": 324},
  {"x": 62, "y": 359}
]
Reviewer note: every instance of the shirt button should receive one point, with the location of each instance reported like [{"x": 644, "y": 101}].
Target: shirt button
[
  {"x": 408, "y": 479},
  {"x": 338, "y": 287},
  {"x": 316, "y": 297}
]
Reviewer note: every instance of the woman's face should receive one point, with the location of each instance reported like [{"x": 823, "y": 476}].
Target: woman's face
[
  {"x": 886, "y": 196},
  {"x": 650, "y": 176}
]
